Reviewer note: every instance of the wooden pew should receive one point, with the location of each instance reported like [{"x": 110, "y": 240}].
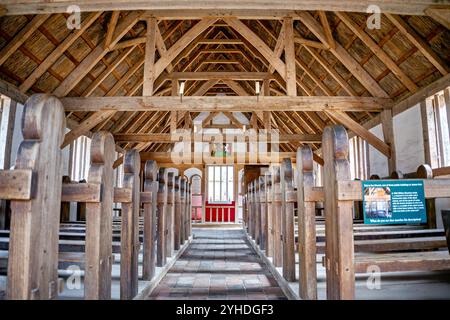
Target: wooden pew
[
  {"x": 188, "y": 211},
  {"x": 288, "y": 197},
  {"x": 162, "y": 212},
  {"x": 178, "y": 213},
  {"x": 35, "y": 203},
  {"x": 97, "y": 194},
  {"x": 150, "y": 221},
  {"x": 263, "y": 213},
  {"x": 340, "y": 192},
  {"x": 130, "y": 245},
  {"x": 250, "y": 210},
  {"x": 269, "y": 216},
  {"x": 170, "y": 207},
  {"x": 306, "y": 225},
  {"x": 183, "y": 206},
  {"x": 277, "y": 216}
]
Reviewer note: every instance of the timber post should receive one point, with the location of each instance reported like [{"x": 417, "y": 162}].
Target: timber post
[
  {"x": 33, "y": 247},
  {"x": 339, "y": 250},
  {"x": 149, "y": 255}
]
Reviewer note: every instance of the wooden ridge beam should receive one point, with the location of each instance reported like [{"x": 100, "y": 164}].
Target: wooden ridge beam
[
  {"x": 229, "y": 103},
  {"x": 177, "y": 137},
  {"x": 237, "y": 158},
  {"x": 220, "y": 75},
  {"x": 254, "y": 9}
]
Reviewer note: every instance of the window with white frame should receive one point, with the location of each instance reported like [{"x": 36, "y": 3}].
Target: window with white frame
[
  {"x": 220, "y": 184},
  {"x": 441, "y": 128},
  {"x": 80, "y": 158}
]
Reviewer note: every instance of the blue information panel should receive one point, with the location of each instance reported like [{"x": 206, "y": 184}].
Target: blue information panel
[{"x": 394, "y": 202}]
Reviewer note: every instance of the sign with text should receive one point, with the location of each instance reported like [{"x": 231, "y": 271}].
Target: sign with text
[{"x": 394, "y": 202}]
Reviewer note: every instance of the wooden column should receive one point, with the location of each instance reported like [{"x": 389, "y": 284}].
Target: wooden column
[
  {"x": 428, "y": 128},
  {"x": 149, "y": 255},
  {"x": 162, "y": 211},
  {"x": 289, "y": 52},
  {"x": 306, "y": 225},
  {"x": 178, "y": 213},
  {"x": 339, "y": 258},
  {"x": 170, "y": 213},
  {"x": 276, "y": 211},
  {"x": 97, "y": 279},
  {"x": 388, "y": 134},
  {"x": 183, "y": 205},
  {"x": 129, "y": 236},
  {"x": 33, "y": 245},
  {"x": 269, "y": 215},
  {"x": 288, "y": 199},
  {"x": 263, "y": 214},
  {"x": 149, "y": 62}
]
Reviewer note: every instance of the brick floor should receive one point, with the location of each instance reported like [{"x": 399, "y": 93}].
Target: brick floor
[{"x": 219, "y": 264}]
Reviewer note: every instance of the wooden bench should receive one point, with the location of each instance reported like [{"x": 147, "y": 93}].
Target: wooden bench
[{"x": 340, "y": 192}]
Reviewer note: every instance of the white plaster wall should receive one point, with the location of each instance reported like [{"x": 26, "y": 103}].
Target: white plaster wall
[{"x": 378, "y": 162}]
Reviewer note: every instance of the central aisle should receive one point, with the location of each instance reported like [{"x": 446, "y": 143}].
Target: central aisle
[{"x": 219, "y": 264}]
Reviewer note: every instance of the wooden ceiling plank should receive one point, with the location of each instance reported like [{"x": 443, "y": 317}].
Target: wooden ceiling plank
[
  {"x": 132, "y": 71},
  {"x": 346, "y": 59},
  {"x": 440, "y": 14},
  {"x": 417, "y": 41},
  {"x": 91, "y": 88},
  {"x": 22, "y": 36},
  {"x": 378, "y": 51},
  {"x": 336, "y": 76},
  {"x": 77, "y": 74},
  {"x": 58, "y": 51}
]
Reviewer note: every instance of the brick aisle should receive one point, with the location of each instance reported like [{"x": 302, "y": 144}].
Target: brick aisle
[{"x": 219, "y": 264}]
